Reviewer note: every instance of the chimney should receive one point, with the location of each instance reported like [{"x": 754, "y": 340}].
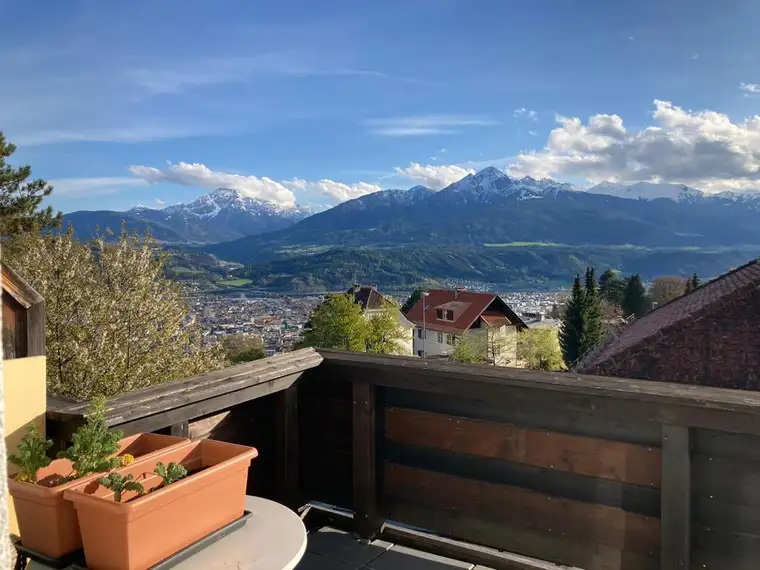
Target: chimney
[
  {"x": 458, "y": 291},
  {"x": 357, "y": 287}
]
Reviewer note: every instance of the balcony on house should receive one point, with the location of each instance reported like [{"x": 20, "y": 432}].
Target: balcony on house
[{"x": 441, "y": 464}]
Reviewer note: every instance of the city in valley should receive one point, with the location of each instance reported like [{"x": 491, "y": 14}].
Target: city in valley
[{"x": 279, "y": 319}]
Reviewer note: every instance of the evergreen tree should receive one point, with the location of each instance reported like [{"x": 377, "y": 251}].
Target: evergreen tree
[
  {"x": 691, "y": 283},
  {"x": 20, "y": 199},
  {"x": 593, "y": 314},
  {"x": 412, "y": 300},
  {"x": 635, "y": 299},
  {"x": 572, "y": 328},
  {"x": 611, "y": 287}
]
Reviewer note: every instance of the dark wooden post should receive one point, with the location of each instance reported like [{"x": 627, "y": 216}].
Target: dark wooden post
[
  {"x": 181, "y": 429},
  {"x": 365, "y": 491},
  {"x": 286, "y": 470},
  {"x": 675, "y": 498}
]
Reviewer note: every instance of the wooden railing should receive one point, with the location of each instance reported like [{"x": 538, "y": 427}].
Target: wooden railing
[{"x": 597, "y": 473}]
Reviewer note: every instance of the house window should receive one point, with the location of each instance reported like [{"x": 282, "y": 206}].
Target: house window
[
  {"x": 420, "y": 333},
  {"x": 440, "y": 338},
  {"x": 444, "y": 314},
  {"x": 419, "y": 353},
  {"x": 450, "y": 339}
]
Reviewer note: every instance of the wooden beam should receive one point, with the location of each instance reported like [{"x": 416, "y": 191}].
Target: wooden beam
[
  {"x": 196, "y": 409},
  {"x": 287, "y": 447},
  {"x": 675, "y": 547},
  {"x": 35, "y": 329},
  {"x": 365, "y": 488}
]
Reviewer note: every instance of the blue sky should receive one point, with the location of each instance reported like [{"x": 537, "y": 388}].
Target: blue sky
[{"x": 120, "y": 103}]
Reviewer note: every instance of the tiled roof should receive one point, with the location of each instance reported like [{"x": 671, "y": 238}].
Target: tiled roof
[
  {"x": 367, "y": 296},
  {"x": 467, "y": 307},
  {"x": 687, "y": 307}
]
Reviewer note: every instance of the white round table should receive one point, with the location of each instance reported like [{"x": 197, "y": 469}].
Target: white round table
[{"x": 273, "y": 538}]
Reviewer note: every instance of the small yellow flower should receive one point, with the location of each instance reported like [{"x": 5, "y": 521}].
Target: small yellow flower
[
  {"x": 23, "y": 476},
  {"x": 127, "y": 459}
]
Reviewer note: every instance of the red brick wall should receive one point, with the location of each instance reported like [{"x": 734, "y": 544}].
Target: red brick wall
[{"x": 720, "y": 348}]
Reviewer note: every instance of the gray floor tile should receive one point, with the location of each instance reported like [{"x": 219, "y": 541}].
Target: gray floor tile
[
  {"x": 400, "y": 557},
  {"x": 340, "y": 545},
  {"x": 311, "y": 561}
]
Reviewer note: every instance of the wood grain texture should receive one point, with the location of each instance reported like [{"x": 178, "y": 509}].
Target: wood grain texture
[
  {"x": 629, "y": 463},
  {"x": 676, "y": 498},
  {"x": 522, "y": 508},
  {"x": 365, "y": 489}
]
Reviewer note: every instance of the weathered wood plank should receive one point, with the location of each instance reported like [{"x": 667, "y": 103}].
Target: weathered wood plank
[
  {"x": 718, "y": 550},
  {"x": 522, "y": 508},
  {"x": 727, "y": 480},
  {"x": 710, "y": 512},
  {"x": 711, "y": 443},
  {"x": 326, "y": 476},
  {"x": 632, "y": 498},
  {"x": 181, "y": 429},
  {"x": 35, "y": 329},
  {"x": 618, "y": 461},
  {"x": 365, "y": 490},
  {"x": 676, "y": 498},
  {"x": 556, "y": 549},
  {"x": 196, "y": 409},
  {"x": 541, "y": 409}
]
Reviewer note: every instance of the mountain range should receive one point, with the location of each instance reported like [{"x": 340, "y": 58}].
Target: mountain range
[
  {"x": 490, "y": 209},
  {"x": 221, "y": 215}
]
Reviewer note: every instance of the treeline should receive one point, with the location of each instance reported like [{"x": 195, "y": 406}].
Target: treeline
[{"x": 596, "y": 306}]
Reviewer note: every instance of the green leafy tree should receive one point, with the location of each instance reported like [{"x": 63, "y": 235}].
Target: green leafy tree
[
  {"x": 539, "y": 349},
  {"x": 114, "y": 322},
  {"x": 412, "y": 300},
  {"x": 635, "y": 299},
  {"x": 666, "y": 288},
  {"x": 338, "y": 323},
  {"x": 120, "y": 483},
  {"x": 93, "y": 445},
  {"x": 170, "y": 473},
  {"x": 572, "y": 330},
  {"x": 241, "y": 348},
  {"x": 32, "y": 454},
  {"x": 593, "y": 313},
  {"x": 384, "y": 335},
  {"x": 21, "y": 199},
  {"x": 467, "y": 349},
  {"x": 611, "y": 287}
]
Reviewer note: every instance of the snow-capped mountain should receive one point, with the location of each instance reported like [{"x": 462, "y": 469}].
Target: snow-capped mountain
[
  {"x": 222, "y": 215},
  {"x": 649, "y": 191}
]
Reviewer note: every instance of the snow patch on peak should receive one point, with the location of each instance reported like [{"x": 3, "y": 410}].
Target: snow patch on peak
[{"x": 648, "y": 191}]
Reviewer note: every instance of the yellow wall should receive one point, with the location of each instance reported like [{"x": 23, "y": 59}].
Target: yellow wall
[{"x": 24, "y": 386}]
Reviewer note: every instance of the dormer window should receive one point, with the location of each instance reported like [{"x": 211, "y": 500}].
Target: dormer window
[{"x": 444, "y": 314}]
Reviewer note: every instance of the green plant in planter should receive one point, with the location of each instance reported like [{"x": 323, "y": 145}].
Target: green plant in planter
[
  {"x": 93, "y": 445},
  {"x": 32, "y": 454},
  {"x": 118, "y": 484},
  {"x": 170, "y": 473}
]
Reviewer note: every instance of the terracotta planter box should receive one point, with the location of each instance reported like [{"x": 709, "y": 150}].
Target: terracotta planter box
[
  {"x": 141, "y": 531},
  {"x": 48, "y": 523}
]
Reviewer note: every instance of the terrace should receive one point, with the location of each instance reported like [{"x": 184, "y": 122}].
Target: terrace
[{"x": 396, "y": 461}]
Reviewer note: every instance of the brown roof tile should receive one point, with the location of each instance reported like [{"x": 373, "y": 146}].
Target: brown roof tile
[{"x": 678, "y": 311}]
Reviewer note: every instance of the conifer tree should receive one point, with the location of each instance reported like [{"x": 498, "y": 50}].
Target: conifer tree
[
  {"x": 611, "y": 287},
  {"x": 572, "y": 327},
  {"x": 20, "y": 199},
  {"x": 593, "y": 314},
  {"x": 635, "y": 299}
]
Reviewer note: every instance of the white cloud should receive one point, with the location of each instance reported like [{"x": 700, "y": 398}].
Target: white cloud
[
  {"x": 93, "y": 186},
  {"x": 522, "y": 112},
  {"x": 261, "y": 188},
  {"x": 338, "y": 191},
  {"x": 750, "y": 87},
  {"x": 425, "y": 125},
  {"x": 533, "y": 133},
  {"x": 695, "y": 57},
  {"x": 701, "y": 148},
  {"x": 433, "y": 175},
  {"x": 160, "y": 203}
]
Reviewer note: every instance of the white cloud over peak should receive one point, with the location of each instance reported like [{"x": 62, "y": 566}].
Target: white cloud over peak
[
  {"x": 523, "y": 113},
  {"x": 700, "y": 148},
  {"x": 435, "y": 176},
  {"x": 424, "y": 125},
  {"x": 93, "y": 186},
  {"x": 262, "y": 188}
]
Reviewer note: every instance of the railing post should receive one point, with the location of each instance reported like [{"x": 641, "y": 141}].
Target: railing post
[
  {"x": 286, "y": 469},
  {"x": 675, "y": 498},
  {"x": 181, "y": 429},
  {"x": 365, "y": 490}
]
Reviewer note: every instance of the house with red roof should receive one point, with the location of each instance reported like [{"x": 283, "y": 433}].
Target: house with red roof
[
  {"x": 710, "y": 336},
  {"x": 443, "y": 316}
]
